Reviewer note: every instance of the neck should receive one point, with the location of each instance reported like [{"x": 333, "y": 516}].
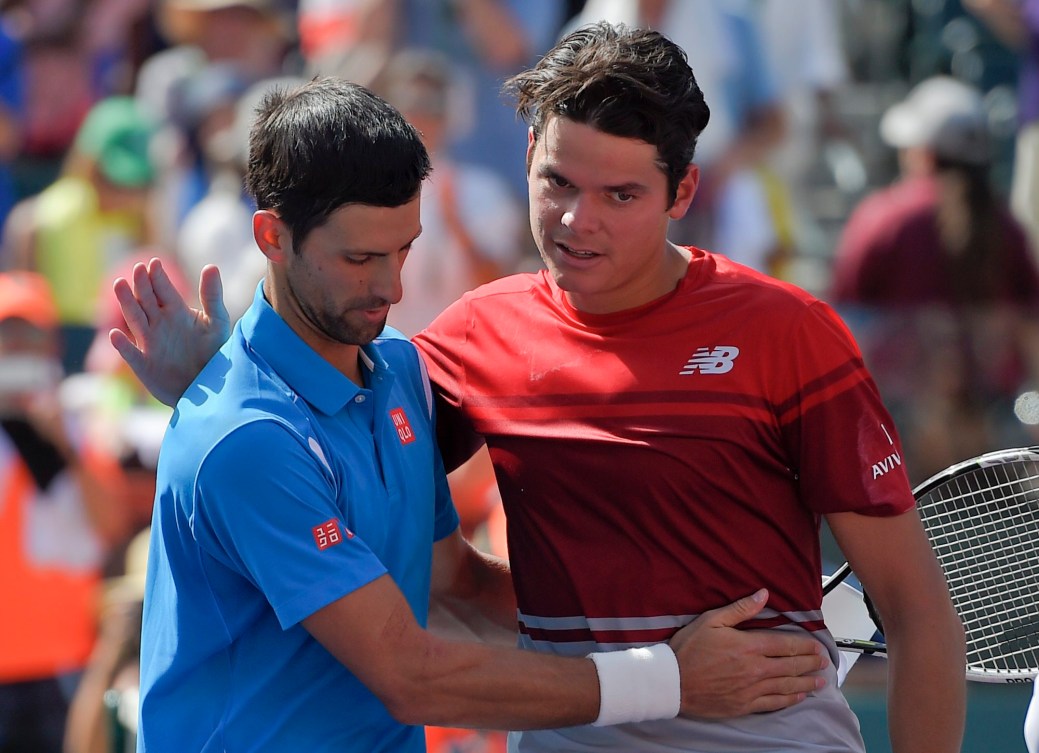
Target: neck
[{"x": 343, "y": 357}]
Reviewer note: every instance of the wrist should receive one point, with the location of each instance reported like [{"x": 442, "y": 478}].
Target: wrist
[{"x": 638, "y": 685}]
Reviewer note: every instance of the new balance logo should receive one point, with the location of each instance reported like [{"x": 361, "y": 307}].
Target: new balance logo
[{"x": 711, "y": 360}]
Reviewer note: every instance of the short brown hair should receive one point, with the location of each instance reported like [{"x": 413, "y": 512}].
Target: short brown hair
[{"x": 633, "y": 83}]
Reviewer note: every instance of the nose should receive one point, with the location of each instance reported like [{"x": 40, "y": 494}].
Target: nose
[
  {"x": 385, "y": 282},
  {"x": 579, "y": 215}
]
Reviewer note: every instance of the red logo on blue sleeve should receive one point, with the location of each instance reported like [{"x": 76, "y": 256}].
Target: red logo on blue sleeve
[
  {"x": 328, "y": 534},
  {"x": 400, "y": 423}
]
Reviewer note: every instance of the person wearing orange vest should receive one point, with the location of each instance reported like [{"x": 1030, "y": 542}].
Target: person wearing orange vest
[{"x": 56, "y": 522}]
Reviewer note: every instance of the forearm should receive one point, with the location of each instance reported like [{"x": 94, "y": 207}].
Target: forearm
[
  {"x": 490, "y": 687},
  {"x": 479, "y": 602},
  {"x": 926, "y": 680},
  {"x": 424, "y": 679}
]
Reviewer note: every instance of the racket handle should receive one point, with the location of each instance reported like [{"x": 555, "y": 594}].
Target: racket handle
[{"x": 861, "y": 647}]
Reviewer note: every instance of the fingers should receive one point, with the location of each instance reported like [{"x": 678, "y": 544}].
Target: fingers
[
  {"x": 135, "y": 316},
  {"x": 126, "y": 349},
  {"x": 161, "y": 285},
  {"x": 211, "y": 294},
  {"x": 143, "y": 290},
  {"x": 793, "y": 667},
  {"x": 773, "y": 643},
  {"x": 781, "y": 694},
  {"x": 739, "y": 611}
]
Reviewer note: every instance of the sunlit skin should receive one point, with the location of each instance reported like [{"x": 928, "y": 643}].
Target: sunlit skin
[
  {"x": 599, "y": 213},
  {"x": 336, "y": 290}
]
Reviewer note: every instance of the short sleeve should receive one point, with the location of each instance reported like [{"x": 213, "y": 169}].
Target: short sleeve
[
  {"x": 848, "y": 454},
  {"x": 266, "y": 506},
  {"x": 442, "y": 346}
]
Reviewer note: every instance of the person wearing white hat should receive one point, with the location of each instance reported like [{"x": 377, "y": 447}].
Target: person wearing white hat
[{"x": 939, "y": 255}]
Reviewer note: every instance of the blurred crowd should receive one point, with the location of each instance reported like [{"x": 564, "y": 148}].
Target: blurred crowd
[{"x": 883, "y": 154}]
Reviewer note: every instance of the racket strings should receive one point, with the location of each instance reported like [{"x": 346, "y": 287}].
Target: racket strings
[{"x": 984, "y": 527}]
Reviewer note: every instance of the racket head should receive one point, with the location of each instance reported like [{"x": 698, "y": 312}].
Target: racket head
[{"x": 982, "y": 519}]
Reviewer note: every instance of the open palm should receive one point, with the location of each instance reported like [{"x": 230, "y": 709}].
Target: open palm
[{"x": 168, "y": 341}]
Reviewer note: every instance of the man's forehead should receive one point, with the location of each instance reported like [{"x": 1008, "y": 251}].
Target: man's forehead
[{"x": 577, "y": 151}]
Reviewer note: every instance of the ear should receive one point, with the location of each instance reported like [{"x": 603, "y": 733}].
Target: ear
[
  {"x": 531, "y": 142},
  {"x": 686, "y": 191},
  {"x": 272, "y": 235}
]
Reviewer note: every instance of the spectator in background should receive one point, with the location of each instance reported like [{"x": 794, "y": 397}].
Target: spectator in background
[
  {"x": 485, "y": 41},
  {"x": 199, "y": 144},
  {"x": 1016, "y": 22},
  {"x": 74, "y": 54},
  {"x": 57, "y": 521},
  {"x": 254, "y": 36},
  {"x": 805, "y": 54},
  {"x": 937, "y": 274},
  {"x": 732, "y": 214},
  {"x": 218, "y": 229},
  {"x": 472, "y": 225},
  {"x": 218, "y": 48},
  {"x": 103, "y": 713},
  {"x": 79, "y": 229},
  {"x": 12, "y": 113}
]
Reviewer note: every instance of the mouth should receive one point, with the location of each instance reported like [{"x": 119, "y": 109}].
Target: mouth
[
  {"x": 376, "y": 314},
  {"x": 576, "y": 253}
]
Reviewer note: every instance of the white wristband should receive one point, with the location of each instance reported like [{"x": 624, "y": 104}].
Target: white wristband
[{"x": 638, "y": 685}]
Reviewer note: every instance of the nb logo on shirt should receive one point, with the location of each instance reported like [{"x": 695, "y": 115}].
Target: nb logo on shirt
[{"x": 717, "y": 360}]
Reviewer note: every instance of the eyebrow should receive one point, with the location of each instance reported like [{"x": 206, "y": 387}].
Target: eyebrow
[{"x": 545, "y": 171}]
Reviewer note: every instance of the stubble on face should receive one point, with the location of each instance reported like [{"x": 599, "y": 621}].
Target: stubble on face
[
  {"x": 339, "y": 321},
  {"x": 342, "y": 278}
]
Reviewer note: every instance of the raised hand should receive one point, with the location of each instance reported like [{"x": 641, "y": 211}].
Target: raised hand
[
  {"x": 728, "y": 672},
  {"x": 168, "y": 342}
]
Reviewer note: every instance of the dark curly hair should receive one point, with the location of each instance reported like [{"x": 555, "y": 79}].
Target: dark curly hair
[{"x": 633, "y": 83}]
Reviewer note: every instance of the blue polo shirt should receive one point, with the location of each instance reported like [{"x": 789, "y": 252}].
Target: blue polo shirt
[{"x": 282, "y": 487}]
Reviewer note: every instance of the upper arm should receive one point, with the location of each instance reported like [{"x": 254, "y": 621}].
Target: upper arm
[
  {"x": 278, "y": 522},
  {"x": 893, "y": 559},
  {"x": 442, "y": 348}
]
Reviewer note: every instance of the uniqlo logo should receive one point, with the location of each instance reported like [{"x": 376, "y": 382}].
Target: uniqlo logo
[
  {"x": 400, "y": 422},
  {"x": 328, "y": 534}
]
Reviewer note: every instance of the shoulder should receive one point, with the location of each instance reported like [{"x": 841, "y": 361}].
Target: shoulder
[
  {"x": 757, "y": 287},
  {"x": 235, "y": 389},
  {"x": 903, "y": 199},
  {"x": 395, "y": 347},
  {"x": 67, "y": 198},
  {"x": 507, "y": 299},
  {"x": 509, "y": 289},
  {"x": 777, "y": 310},
  {"x": 506, "y": 292}
]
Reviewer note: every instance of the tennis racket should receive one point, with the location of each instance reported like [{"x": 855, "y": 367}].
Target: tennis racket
[{"x": 982, "y": 520}]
